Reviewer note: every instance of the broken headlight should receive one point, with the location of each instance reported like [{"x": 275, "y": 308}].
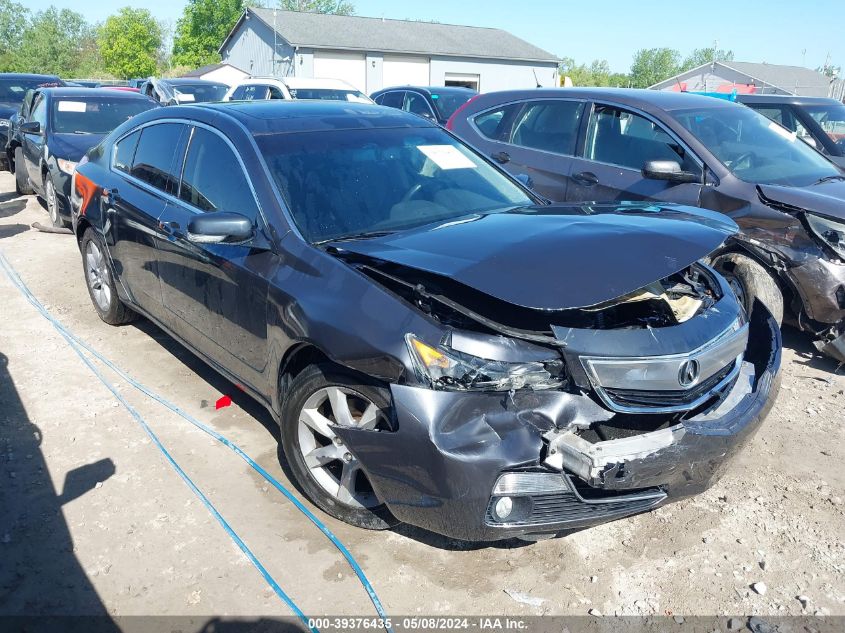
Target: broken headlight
[
  {"x": 445, "y": 368},
  {"x": 832, "y": 233}
]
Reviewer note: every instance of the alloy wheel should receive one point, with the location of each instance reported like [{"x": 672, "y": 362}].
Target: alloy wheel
[
  {"x": 52, "y": 201},
  {"x": 97, "y": 275},
  {"x": 330, "y": 463}
]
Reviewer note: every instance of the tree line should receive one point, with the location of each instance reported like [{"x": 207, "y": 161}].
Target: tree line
[
  {"x": 649, "y": 66},
  {"x": 129, "y": 43}
]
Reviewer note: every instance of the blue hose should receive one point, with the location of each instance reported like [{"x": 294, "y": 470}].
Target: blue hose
[{"x": 76, "y": 343}]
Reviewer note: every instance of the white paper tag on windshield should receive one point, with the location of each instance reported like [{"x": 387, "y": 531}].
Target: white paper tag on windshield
[
  {"x": 72, "y": 106},
  {"x": 447, "y": 157},
  {"x": 185, "y": 97},
  {"x": 790, "y": 136}
]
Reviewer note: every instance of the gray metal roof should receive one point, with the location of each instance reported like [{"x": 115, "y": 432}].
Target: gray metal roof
[
  {"x": 340, "y": 32},
  {"x": 794, "y": 79}
]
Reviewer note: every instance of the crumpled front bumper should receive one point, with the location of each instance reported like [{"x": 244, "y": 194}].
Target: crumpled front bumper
[{"x": 440, "y": 468}]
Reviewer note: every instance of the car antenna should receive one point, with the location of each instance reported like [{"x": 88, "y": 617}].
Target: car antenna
[{"x": 536, "y": 81}]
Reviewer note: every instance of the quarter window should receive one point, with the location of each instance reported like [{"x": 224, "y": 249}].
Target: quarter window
[
  {"x": 275, "y": 93},
  {"x": 213, "y": 179},
  {"x": 154, "y": 157},
  {"x": 125, "y": 151},
  {"x": 393, "y": 99},
  {"x": 622, "y": 138},
  {"x": 496, "y": 124},
  {"x": 551, "y": 126}
]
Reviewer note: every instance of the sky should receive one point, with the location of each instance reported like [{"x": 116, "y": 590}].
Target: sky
[{"x": 773, "y": 31}]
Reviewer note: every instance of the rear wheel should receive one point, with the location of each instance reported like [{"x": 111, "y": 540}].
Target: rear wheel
[
  {"x": 749, "y": 281},
  {"x": 53, "y": 203},
  {"x": 320, "y": 397},
  {"x": 100, "y": 282},
  {"x": 22, "y": 187}
]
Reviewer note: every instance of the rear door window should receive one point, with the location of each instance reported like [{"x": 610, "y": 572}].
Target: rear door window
[
  {"x": 620, "y": 137},
  {"x": 213, "y": 179},
  {"x": 550, "y": 126},
  {"x": 155, "y": 156},
  {"x": 393, "y": 99},
  {"x": 415, "y": 103},
  {"x": 275, "y": 93}
]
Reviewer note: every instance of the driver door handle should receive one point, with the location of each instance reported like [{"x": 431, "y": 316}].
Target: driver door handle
[
  {"x": 501, "y": 157},
  {"x": 586, "y": 178}
]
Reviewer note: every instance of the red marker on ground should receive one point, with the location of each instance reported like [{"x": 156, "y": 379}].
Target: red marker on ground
[{"x": 225, "y": 401}]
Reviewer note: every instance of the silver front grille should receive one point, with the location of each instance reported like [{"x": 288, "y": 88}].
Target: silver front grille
[{"x": 665, "y": 384}]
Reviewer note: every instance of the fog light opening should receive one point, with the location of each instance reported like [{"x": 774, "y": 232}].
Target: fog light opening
[{"x": 503, "y": 508}]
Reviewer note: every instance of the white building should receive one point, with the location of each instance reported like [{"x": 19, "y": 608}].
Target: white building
[
  {"x": 224, "y": 73},
  {"x": 374, "y": 53}
]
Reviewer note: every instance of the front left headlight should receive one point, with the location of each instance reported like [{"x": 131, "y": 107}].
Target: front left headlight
[
  {"x": 830, "y": 232},
  {"x": 67, "y": 166},
  {"x": 448, "y": 369}
]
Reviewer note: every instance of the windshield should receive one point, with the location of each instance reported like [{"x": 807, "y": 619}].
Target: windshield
[
  {"x": 200, "y": 93},
  {"x": 754, "y": 148},
  {"x": 342, "y": 183},
  {"x": 98, "y": 115},
  {"x": 330, "y": 94},
  {"x": 447, "y": 103},
  {"x": 831, "y": 118},
  {"x": 13, "y": 90}
]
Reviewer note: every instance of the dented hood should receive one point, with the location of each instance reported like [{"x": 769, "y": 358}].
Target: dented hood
[
  {"x": 557, "y": 257},
  {"x": 827, "y": 198}
]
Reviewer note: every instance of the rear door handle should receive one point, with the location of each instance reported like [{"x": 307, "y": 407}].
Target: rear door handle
[
  {"x": 586, "y": 178},
  {"x": 501, "y": 157}
]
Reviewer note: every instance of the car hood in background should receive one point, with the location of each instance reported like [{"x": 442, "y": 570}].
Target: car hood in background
[
  {"x": 557, "y": 257},
  {"x": 73, "y": 146},
  {"x": 827, "y": 198},
  {"x": 8, "y": 109}
]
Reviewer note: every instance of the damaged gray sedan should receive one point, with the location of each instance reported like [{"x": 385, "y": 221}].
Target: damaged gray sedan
[{"x": 439, "y": 346}]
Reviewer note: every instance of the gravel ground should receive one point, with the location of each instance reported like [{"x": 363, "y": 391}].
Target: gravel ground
[{"x": 95, "y": 520}]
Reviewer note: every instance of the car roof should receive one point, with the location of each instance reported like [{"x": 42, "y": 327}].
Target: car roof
[
  {"x": 276, "y": 116},
  {"x": 638, "y": 98},
  {"x": 790, "y": 99},
  {"x": 188, "y": 81},
  {"x": 430, "y": 89},
  {"x": 81, "y": 93},
  {"x": 27, "y": 76},
  {"x": 317, "y": 82}
]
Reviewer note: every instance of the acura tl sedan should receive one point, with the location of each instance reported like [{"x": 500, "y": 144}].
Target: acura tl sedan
[
  {"x": 606, "y": 144},
  {"x": 439, "y": 346}
]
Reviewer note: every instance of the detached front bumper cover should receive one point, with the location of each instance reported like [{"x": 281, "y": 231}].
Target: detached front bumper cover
[{"x": 440, "y": 469}]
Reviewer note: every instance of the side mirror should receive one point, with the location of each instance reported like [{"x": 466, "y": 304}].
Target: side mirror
[
  {"x": 668, "y": 170},
  {"x": 31, "y": 127},
  {"x": 217, "y": 227}
]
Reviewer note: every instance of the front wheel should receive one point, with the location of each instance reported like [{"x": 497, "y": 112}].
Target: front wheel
[
  {"x": 101, "y": 286},
  {"x": 320, "y": 397},
  {"x": 749, "y": 281},
  {"x": 53, "y": 204},
  {"x": 22, "y": 187}
]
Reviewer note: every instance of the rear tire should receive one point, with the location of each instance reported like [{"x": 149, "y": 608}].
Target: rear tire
[
  {"x": 100, "y": 283},
  {"x": 325, "y": 470},
  {"x": 750, "y": 281},
  {"x": 22, "y": 187}
]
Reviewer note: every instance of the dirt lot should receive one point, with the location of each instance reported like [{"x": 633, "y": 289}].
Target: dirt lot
[{"x": 123, "y": 534}]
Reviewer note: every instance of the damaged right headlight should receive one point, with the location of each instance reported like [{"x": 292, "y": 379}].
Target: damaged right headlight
[
  {"x": 832, "y": 233},
  {"x": 446, "y": 368}
]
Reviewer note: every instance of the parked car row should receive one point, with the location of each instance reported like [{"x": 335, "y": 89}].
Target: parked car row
[{"x": 558, "y": 310}]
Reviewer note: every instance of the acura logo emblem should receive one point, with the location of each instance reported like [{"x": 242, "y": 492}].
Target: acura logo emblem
[{"x": 688, "y": 374}]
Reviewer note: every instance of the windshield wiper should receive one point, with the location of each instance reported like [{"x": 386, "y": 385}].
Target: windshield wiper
[
  {"x": 365, "y": 235},
  {"x": 829, "y": 179}
]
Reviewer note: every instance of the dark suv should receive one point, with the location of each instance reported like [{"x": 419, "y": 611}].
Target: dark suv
[
  {"x": 612, "y": 145},
  {"x": 818, "y": 122},
  {"x": 14, "y": 87},
  {"x": 435, "y": 104}
]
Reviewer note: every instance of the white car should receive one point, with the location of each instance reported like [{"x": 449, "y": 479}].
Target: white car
[{"x": 294, "y": 88}]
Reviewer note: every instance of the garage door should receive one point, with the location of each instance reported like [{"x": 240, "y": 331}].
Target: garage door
[
  {"x": 405, "y": 71},
  {"x": 350, "y": 67}
]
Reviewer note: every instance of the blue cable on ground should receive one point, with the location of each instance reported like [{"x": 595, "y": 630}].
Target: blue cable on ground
[{"x": 17, "y": 281}]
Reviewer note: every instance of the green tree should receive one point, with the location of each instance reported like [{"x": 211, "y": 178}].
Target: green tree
[
  {"x": 128, "y": 43},
  {"x": 52, "y": 42},
  {"x": 701, "y": 56},
  {"x": 13, "y": 20},
  {"x": 338, "y": 7},
  {"x": 598, "y": 73},
  {"x": 653, "y": 65},
  {"x": 201, "y": 30}
]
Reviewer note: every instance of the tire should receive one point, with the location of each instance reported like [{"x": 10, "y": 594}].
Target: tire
[
  {"x": 750, "y": 281},
  {"x": 100, "y": 283},
  {"x": 51, "y": 197},
  {"x": 22, "y": 187},
  {"x": 355, "y": 504}
]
